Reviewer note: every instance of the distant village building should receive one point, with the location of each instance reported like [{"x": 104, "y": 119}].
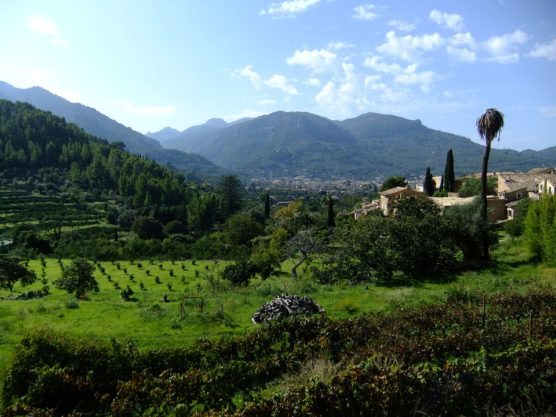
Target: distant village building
[
  {"x": 366, "y": 207},
  {"x": 511, "y": 188}
]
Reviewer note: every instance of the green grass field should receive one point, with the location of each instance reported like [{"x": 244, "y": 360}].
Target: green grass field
[{"x": 202, "y": 305}]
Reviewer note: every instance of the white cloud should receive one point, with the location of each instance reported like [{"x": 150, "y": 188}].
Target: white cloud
[
  {"x": 343, "y": 96},
  {"x": 339, "y": 45},
  {"x": 267, "y": 102},
  {"x": 376, "y": 63},
  {"x": 313, "y": 82},
  {"x": 462, "y": 47},
  {"x": 462, "y": 39},
  {"x": 503, "y": 49},
  {"x": 280, "y": 82},
  {"x": 249, "y": 73},
  {"x": 411, "y": 76},
  {"x": 545, "y": 50},
  {"x": 548, "y": 112},
  {"x": 317, "y": 60},
  {"x": 42, "y": 26},
  {"x": 39, "y": 24},
  {"x": 448, "y": 21},
  {"x": 401, "y": 25},
  {"x": 408, "y": 47},
  {"x": 461, "y": 54},
  {"x": 365, "y": 12},
  {"x": 290, "y": 7}
]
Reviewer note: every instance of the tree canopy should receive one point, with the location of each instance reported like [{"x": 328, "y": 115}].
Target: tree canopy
[
  {"x": 12, "y": 271},
  {"x": 395, "y": 181},
  {"x": 78, "y": 278}
]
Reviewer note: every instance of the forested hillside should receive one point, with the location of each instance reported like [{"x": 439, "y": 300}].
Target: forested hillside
[
  {"x": 31, "y": 139},
  {"x": 100, "y": 125}
]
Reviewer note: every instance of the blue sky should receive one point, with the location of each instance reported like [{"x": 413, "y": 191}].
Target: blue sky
[{"x": 151, "y": 64}]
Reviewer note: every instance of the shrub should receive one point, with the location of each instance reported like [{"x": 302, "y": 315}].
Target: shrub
[{"x": 239, "y": 273}]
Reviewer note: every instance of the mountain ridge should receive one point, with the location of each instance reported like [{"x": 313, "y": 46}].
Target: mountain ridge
[
  {"x": 290, "y": 144},
  {"x": 371, "y": 144},
  {"x": 102, "y": 126}
]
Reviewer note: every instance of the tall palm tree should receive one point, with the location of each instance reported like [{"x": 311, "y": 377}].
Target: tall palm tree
[{"x": 489, "y": 126}]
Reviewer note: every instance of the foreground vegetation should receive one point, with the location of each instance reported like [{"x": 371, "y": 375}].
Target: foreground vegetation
[
  {"x": 460, "y": 357},
  {"x": 148, "y": 329}
]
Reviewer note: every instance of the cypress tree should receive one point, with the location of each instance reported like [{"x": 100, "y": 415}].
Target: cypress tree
[
  {"x": 331, "y": 217},
  {"x": 449, "y": 174},
  {"x": 267, "y": 206},
  {"x": 428, "y": 184}
]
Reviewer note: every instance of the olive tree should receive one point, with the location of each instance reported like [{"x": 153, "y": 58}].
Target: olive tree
[
  {"x": 78, "y": 278},
  {"x": 12, "y": 271}
]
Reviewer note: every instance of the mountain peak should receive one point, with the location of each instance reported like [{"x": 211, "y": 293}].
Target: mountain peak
[
  {"x": 163, "y": 134},
  {"x": 216, "y": 122}
]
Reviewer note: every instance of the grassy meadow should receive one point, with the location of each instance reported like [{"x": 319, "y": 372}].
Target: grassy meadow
[{"x": 201, "y": 304}]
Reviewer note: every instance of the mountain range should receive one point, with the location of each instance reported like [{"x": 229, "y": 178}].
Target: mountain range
[
  {"x": 290, "y": 144},
  {"x": 287, "y": 144},
  {"x": 100, "y": 125}
]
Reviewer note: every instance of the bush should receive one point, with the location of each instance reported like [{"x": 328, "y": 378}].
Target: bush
[
  {"x": 239, "y": 273},
  {"x": 147, "y": 228}
]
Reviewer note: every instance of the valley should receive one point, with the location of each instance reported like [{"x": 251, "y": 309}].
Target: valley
[{"x": 133, "y": 286}]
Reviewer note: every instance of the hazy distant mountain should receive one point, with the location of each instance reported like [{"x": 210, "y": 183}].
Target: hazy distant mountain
[
  {"x": 164, "y": 134},
  {"x": 295, "y": 143},
  {"x": 100, "y": 125}
]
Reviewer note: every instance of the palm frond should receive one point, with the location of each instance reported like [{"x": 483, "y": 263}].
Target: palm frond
[{"x": 490, "y": 124}]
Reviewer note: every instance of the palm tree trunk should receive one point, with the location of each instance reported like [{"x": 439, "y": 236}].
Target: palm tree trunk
[{"x": 484, "y": 204}]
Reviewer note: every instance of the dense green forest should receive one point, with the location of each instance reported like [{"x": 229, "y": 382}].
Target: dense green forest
[{"x": 31, "y": 139}]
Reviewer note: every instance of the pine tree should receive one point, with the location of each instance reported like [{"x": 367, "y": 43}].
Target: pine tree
[
  {"x": 449, "y": 174},
  {"x": 230, "y": 195},
  {"x": 428, "y": 184}
]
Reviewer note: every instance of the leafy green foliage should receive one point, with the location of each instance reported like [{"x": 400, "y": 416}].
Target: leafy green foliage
[
  {"x": 12, "y": 271},
  {"x": 472, "y": 187},
  {"x": 238, "y": 273},
  {"x": 436, "y": 359},
  {"x": 78, "y": 278},
  {"x": 540, "y": 229},
  {"x": 516, "y": 226},
  {"x": 241, "y": 228},
  {"x": 147, "y": 228},
  {"x": 391, "y": 182},
  {"x": 466, "y": 227},
  {"x": 414, "y": 241}
]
